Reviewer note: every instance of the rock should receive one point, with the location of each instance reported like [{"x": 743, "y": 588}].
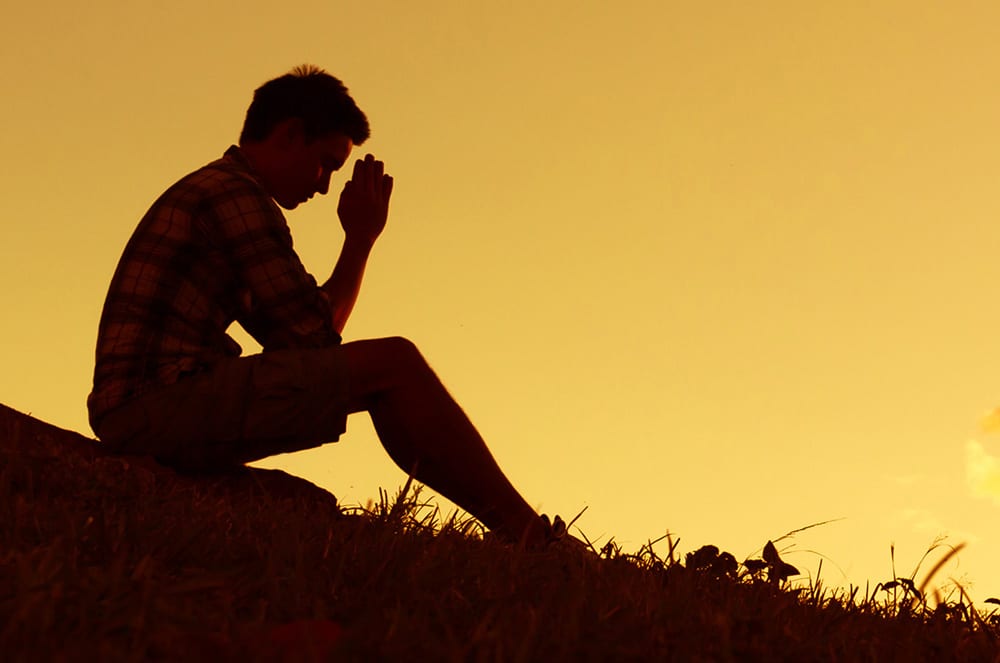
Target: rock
[{"x": 42, "y": 445}]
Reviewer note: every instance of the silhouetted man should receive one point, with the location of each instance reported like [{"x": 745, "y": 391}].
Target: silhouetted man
[{"x": 215, "y": 248}]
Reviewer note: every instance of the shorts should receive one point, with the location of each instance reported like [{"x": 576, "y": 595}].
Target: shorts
[{"x": 243, "y": 409}]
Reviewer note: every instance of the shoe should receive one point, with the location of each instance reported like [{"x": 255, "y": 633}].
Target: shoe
[
  {"x": 557, "y": 537},
  {"x": 554, "y": 529}
]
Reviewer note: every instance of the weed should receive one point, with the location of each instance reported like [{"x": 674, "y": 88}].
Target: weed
[{"x": 108, "y": 559}]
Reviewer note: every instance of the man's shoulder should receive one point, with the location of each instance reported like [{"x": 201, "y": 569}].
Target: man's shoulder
[
  {"x": 216, "y": 182},
  {"x": 222, "y": 198},
  {"x": 228, "y": 172}
]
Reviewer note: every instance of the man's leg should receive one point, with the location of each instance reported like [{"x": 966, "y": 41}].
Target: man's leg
[
  {"x": 242, "y": 410},
  {"x": 421, "y": 426}
]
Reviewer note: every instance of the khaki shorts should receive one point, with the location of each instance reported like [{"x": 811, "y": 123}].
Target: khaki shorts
[{"x": 242, "y": 410}]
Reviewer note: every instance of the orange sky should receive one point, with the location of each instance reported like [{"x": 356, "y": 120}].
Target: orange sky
[{"x": 725, "y": 270}]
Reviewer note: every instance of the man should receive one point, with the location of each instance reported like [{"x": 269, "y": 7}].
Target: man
[{"x": 215, "y": 248}]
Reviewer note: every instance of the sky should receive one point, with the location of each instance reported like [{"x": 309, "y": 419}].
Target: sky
[{"x": 723, "y": 270}]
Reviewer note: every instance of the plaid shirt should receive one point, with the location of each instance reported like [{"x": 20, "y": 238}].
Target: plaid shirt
[{"x": 212, "y": 249}]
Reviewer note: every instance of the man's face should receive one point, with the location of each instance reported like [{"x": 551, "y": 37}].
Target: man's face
[{"x": 307, "y": 166}]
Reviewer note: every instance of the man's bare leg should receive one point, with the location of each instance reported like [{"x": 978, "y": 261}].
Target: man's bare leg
[{"x": 420, "y": 425}]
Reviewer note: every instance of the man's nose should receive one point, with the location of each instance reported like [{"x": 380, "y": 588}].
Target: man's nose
[{"x": 324, "y": 183}]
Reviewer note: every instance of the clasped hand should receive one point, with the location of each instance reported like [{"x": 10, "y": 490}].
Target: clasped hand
[{"x": 364, "y": 202}]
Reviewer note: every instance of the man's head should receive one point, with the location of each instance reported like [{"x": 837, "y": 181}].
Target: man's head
[
  {"x": 311, "y": 95},
  {"x": 300, "y": 128}
]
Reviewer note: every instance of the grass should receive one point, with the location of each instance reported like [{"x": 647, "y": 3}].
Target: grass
[{"x": 105, "y": 558}]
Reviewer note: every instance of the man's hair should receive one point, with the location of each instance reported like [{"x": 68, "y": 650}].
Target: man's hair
[{"x": 311, "y": 95}]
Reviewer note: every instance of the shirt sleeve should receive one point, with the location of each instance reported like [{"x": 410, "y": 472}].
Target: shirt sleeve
[{"x": 278, "y": 302}]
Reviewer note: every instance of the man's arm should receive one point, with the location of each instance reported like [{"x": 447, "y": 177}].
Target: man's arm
[
  {"x": 344, "y": 284},
  {"x": 363, "y": 210}
]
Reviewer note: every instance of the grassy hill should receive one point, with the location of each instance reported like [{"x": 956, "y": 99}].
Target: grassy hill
[{"x": 108, "y": 558}]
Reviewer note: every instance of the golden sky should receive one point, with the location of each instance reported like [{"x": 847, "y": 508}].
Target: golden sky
[{"x": 724, "y": 269}]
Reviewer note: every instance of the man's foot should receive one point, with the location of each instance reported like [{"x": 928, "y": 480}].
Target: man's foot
[
  {"x": 543, "y": 534},
  {"x": 557, "y": 537}
]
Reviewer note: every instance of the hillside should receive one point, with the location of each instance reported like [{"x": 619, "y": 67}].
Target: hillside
[{"x": 108, "y": 558}]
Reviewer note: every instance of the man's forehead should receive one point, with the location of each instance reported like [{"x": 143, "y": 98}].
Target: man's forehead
[
  {"x": 332, "y": 150},
  {"x": 335, "y": 146}
]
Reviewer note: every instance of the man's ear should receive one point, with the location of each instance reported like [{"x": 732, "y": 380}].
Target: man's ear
[{"x": 290, "y": 131}]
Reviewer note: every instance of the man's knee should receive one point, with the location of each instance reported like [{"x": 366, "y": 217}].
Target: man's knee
[
  {"x": 403, "y": 351},
  {"x": 379, "y": 364}
]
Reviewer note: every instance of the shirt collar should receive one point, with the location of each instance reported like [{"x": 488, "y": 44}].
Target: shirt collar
[
  {"x": 235, "y": 154},
  {"x": 235, "y": 157}
]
